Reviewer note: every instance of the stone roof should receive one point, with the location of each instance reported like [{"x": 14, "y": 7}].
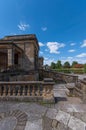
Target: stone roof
[
  {"x": 13, "y": 38},
  {"x": 20, "y": 37}
]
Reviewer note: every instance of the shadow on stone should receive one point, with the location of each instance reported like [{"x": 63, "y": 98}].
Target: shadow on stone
[{"x": 58, "y": 99}]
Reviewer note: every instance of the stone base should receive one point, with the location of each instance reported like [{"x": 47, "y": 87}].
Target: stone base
[
  {"x": 27, "y": 99},
  {"x": 49, "y": 100},
  {"x": 21, "y": 98}
]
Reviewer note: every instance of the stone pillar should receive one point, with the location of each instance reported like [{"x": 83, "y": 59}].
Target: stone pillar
[
  {"x": 48, "y": 94},
  {"x": 10, "y": 57}
]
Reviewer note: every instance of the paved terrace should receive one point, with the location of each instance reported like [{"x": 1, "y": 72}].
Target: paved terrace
[{"x": 69, "y": 113}]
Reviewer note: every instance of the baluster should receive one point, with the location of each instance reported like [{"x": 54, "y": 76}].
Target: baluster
[
  {"x": 18, "y": 92},
  {"x": 38, "y": 91},
  {"x": 33, "y": 90},
  {"x": 9, "y": 90},
  {"x": 23, "y": 91},
  {"x": 44, "y": 91},
  {"x": 48, "y": 90},
  {"x": 28, "y": 91},
  {"x": 13, "y": 89},
  {"x": 4, "y": 90}
]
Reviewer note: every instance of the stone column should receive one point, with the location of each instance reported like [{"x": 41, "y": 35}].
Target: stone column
[{"x": 10, "y": 57}]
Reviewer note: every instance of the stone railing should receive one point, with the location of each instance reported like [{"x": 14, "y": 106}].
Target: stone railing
[
  {"x": 78, "y": 89},
  {"x": 58, "y": 76},
  {"x": 27, "y": 91},
  {"x": 83, "y": 89}
]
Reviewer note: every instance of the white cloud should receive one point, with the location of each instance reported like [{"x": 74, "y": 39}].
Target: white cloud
[
  {"x": 81, "y": 55},
  {"x": 70, "y": 58},
  {"x": 72, "y": 44},
  {"x": 41, "y": 44},
  {"x": 23, "y": 26},
  {"x": 54, "y": 47},
  {"x": 41, "y": 52},
  {"x": 84, "y": 44},
  {"x": 71, "y": 50},
  {"x": 48, "y": 61},
  {"x": 44, "y": 28}
]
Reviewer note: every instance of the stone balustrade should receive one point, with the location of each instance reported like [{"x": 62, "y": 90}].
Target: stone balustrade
[
  {"x": 27, "y": 91},
  {"x": 58, "y": 76},
  {"x": 83, "y": 88}
]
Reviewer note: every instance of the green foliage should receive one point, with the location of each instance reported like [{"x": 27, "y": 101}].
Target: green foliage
[
  {"x": 53, "y": 65},
  {"x": 71, "y": 70},
  {"x": 85, "y": 68},
  {"x": 67, "y": 68},
  {"x": 66, "y": 64},
  {"x": 74, "y": 63},
  {"x": 58, "y": 64}
]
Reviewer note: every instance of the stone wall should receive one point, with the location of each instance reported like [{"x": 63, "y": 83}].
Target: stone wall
[
  {"x": 29, "y": 77},
  {"x": 41, "y": 62},
  {"x": 58, "y": 77},
  {"x": 28, "y": 57}
]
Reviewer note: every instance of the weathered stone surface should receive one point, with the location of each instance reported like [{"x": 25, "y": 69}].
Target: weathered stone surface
[
  {"x": 8, "y": 123},
  {"x": 61, "y": 126},
  {"x": 36, "y": 125},
  {"x": 80, "y": 115},
  {"x": 54, "y": 123},
  {"x": 76, "y": 124},
  {"x": 47, "y": 123},
  {"x": 51, "y": 113},
  {"x": 63, "y": 117}
]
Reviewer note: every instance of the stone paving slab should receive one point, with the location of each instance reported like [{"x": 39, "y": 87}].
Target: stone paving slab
[
  {"x": 36, "y": 114},
  {"x": 60, "y": 90},
  {"x": 8, "y": 123}
]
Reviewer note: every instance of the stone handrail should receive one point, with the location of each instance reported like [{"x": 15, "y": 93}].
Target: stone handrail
[
  {"x": 59, "y": 76},
  {"x": 83, "y": 84},
  {"x": 27, "y": 90}
]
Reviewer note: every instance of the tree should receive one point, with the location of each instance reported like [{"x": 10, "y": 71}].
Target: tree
[
  {"x": 53, "y": 65},
  {"x": 66, "y": 64},
  {"x": 58, "y": 64},
  {"x": 85, "y": 68},
  {"x": 74, "y": 63}
]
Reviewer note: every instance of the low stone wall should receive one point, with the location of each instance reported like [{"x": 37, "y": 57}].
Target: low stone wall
[
  {"x": 27, "y": 91},
  {"x": 83, "y": 89},
  {"x": 58, "y": 77},
  {"x": 78, "y": 89},
  {"x": 20, "y": 76}
]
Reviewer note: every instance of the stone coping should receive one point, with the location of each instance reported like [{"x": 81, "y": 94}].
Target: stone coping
[
  {"x": 83, "y": 81},
  {"x": 25, "y": 82}
]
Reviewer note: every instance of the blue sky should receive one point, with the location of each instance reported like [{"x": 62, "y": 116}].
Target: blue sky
[{"x": 60, "y": 26}]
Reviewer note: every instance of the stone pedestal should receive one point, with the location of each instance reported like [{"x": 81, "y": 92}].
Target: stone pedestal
[{"x": 48, "y": 95}]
